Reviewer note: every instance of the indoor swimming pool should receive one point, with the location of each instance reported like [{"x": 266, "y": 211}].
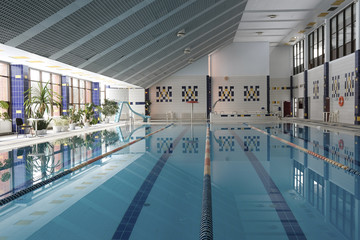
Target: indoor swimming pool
[{"x": 269, "y": 181}]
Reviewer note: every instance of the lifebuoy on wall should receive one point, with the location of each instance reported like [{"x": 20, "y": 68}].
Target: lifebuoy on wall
[
  {"x": 341, "y": 101},
  {"x": 341, "y": 144}
]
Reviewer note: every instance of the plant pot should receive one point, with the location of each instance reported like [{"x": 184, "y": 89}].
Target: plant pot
[
  {"x": 87, "y": 124},
  {"x": 41, "y": 132},
  {"x": 5, "y": 126},
  {"x": 72, "y": 126},
  {"x": 107, "y": 120},
  {"x": 57, "y": 129}
]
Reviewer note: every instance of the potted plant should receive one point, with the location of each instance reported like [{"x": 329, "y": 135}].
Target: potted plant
[
  {"x": 64, "y": 123},
  {"x": 5, "y": 121},
  {"x": 74, "y": 117},
  {"x": 89, "y": 114},
  {"x": 57, "y": 127},
  {"x": 39, "y": 101},
  {"x": 109, "y": 108}
]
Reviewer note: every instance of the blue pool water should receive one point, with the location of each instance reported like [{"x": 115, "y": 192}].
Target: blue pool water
[{"x": 261, "y": 188}]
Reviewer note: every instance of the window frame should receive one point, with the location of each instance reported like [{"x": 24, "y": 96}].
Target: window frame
[{"x": 345, "y": 48}]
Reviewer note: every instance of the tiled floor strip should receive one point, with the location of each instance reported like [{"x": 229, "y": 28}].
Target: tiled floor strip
[
  {"x": 287, "y": 218},
  {"x": 129, "y": 219},
  {"x": 66, "y": 172}
]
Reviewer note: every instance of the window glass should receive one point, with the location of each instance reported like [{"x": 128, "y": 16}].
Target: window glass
[
  {"x": 4, "y": 69},
  {"x": 34, "y": 75},
  {"x": 4, "y": 88},
  {"x": 45, "y": 77},
  {"x": 56, "y": 81}
]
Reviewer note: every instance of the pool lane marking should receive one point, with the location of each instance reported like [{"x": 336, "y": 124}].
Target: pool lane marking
[
  {"x": 287, "y": 218},
  {"x": 71, "y": 170},
  {"x": 322, "y": 147},
  {"x": 131, "y": 215},
  {"x": 206, "y": 226},
  {"x": 328, "y": 160}
]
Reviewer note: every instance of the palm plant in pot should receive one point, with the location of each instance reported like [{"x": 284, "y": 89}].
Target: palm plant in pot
[
  {"x": 89, "y": 114},
  {"x": 39, "y": 102},
  {"x": 109, "y": 108},
  {"x": 74, "y": 117}
]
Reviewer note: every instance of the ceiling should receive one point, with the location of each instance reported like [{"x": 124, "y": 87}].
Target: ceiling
[
  {"x": 138, "y": 41},
  {"x": 284, "y": 21}
]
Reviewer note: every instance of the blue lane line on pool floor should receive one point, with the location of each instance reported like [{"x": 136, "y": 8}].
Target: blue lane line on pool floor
[
  {"x": 131, "y": 215},
  {"x": 287, "y": 218}
]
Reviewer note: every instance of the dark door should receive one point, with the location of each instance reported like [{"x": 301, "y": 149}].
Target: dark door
[
  {"x": 327, "y": 109},
  {"x": 287, "y": 109}
]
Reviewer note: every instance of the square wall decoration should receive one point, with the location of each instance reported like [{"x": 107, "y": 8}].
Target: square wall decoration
[
  {"x": 349, "y": 84},
  {"x": 335, "y": 87},
  {"x": 316, "y": 89},
  {"x": 251, "y": 93},
  {"x": 189, "y": 93},
  {"x": 164, "y": 94},
  {"x": 226, "y": 93}
]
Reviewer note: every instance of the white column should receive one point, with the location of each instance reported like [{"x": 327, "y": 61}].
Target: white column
[
  {"x": 327, "y": 40},
  {"x": 357, "y": 33},
  {"x": 306, "y": 53}
]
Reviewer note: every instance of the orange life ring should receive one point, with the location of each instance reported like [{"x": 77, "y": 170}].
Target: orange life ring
[
  {"x": 341, "y": 101},
  {"x": 341, "y": 144}
]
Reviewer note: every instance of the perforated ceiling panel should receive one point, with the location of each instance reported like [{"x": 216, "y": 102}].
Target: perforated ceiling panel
[
  {"x": 18, "y": 16},
  {"x": 134, "y": 41}
]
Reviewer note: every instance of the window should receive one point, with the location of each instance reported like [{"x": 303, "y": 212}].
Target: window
[
  {"x": 54, "y": 84},
  {"x": 316, "y": 48},
  {"x": 4, "y": 85},
  {"x": 75, "y": 96},
  {"x": 342, "y": 27},
  {"x": 88, "y": 92},
  {"x": 298, "y": 54},
  {"x": 56, "y": 89},
  {"x": 102, "y": 93}
]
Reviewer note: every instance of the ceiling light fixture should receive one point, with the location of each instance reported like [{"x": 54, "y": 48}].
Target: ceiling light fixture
[
  {"x": 181, "y": 33},
  {"x": 259, "y": 33},
  {"x": 187, "y": 50},
  {"x": 272, "y": 16}
]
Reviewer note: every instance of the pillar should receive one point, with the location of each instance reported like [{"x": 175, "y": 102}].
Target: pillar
[
  {"x": 19, "y": 85},
  {"x": 208, "y": 96},
  {"x": 291, "y": 96},
  {"x": 306, "y": 99},
  {"x": 268, "y": 94},
  {"x": 95, "y": 94},
  {"x": 65, "y": 94},
  {"x": 357, "y": 66}
]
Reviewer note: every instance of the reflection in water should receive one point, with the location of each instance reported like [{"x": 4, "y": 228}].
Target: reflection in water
[{"x": 23, "y": 167}]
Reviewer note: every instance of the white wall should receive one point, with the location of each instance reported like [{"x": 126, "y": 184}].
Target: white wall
[
  {"x": 117, "y": 94},
  {"x": 280, "y": 62},
  {"x": 241, "y": 59},
  {"x": 245, "y": 65},
  {"x": 174, "y": 96},
  {"x": 338, "y": 69},
  {"x": 316, "y": 99},
  {"x": 197, "y": 68},
  {"x": 137, "y": 98},
  {"x": 280, "y": 72},
  {"x": 239, "y": 103}
]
